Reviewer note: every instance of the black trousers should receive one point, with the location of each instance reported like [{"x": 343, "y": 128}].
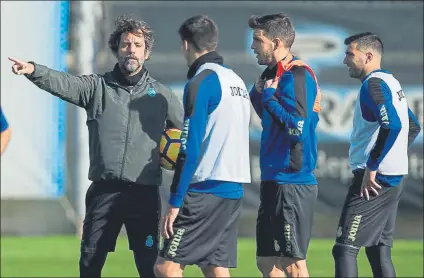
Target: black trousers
[{"x": 109, "y": 206}]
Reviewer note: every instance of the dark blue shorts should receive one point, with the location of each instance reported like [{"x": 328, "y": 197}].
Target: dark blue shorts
[
  {"x": 368, "y": 222},
  {"x": 285, "y": 217},
  {"x": 205, "y": 232}
]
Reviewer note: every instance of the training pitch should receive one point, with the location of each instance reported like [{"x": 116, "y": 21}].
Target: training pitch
[{"x": 58, "y": 257}]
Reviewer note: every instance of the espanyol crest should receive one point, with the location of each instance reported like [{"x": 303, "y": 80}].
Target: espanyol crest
[{"x": 151, "y": 92}]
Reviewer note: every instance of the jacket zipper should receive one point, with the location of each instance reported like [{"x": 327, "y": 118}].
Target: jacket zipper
[
  {"x": 126, "y": 138},
  {"x": 128, "y": 126}
]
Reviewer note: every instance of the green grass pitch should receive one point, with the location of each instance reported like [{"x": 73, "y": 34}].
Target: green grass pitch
[{"x": 58, "y": 257}]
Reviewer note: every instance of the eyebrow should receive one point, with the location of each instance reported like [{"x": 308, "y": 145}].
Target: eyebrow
[{"x": 127, "y": 41}]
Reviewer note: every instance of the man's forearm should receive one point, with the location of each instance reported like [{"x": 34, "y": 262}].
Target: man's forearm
[
  {"x": 292, "y": 123},
  {"x": 77, "y": 90}
]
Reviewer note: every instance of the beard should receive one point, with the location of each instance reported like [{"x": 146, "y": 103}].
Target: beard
[
  {"x": 130, "y": 63},
  {"x": 356, "y": 73},
  {"x": 264, "y": 58}
]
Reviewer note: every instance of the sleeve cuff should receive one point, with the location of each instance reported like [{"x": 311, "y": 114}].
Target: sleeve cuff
[
  {"x": 176, "y": 200},
  {"x": 39, "y": 71},
  {"x": 372, "y": 164}
]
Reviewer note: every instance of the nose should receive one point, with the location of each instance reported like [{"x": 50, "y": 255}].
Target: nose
[
  {"x": 132, "y": 48},
  {"x": 345, "y": 60},
  {"x": 252, "y": 46}
]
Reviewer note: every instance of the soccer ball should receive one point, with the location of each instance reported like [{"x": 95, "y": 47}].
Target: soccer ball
[{"x": 169, "y": 148}]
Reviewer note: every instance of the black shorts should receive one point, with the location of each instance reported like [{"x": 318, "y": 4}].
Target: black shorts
[
  {"x": 205, "y": 232},
  {"x": 285, "y": 216},
  {"x": 109, "y": 205},
  {"x": 368, "y": 222}
]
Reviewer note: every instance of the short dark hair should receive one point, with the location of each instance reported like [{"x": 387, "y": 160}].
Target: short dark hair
[
  {"x": 275, "y": 26},
  {"x": 366, "y": 40},
  {"x": 201, "y": 32},
  {"x": 125, "y": 24}
]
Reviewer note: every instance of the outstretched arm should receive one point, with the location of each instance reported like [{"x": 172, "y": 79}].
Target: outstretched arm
[{"x": 78, "y": 90}]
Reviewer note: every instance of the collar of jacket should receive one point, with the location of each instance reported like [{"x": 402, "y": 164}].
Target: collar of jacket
[
  {"x": 271, "y": 73},
  {"x": 210, "y": 57},
  {"x": 129, "y": 80}
]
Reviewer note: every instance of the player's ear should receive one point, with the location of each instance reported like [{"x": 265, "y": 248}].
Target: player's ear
[
  {"x": 277, "y": 43},
  {"x": 185, "y": 45},
  {"x": 369, "y": 57},
  {"x": 147, "y": 55}
]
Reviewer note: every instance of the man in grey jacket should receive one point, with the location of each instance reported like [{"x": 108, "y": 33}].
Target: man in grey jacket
[{"x": 127, "y": 111}]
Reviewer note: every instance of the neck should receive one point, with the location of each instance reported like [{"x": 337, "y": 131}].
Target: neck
[
  {"x": 127, "y": 79},
  {"x": 370, "y": 69},
  {"x": 195, "y": 56},
  {"x": 277, "y": 57}
]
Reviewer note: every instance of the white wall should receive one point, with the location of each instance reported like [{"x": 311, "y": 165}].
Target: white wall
[{"x": 33, "y": 165}]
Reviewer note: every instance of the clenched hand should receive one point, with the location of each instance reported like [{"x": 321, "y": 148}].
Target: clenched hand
[{"x": 272, "y": 83}]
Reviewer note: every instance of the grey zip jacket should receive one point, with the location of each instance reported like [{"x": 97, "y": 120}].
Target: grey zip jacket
[{"x": 125, "y": 123}]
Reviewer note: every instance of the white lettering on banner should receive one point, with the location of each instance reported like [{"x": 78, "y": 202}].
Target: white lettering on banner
[
  {"x": 337, "y": 168},
  {"x": 415, "y": 102},
  {"x": 336, "y": 116},
  {"x": 337, "y": 111},
  {"x": 338, "y": 106},
  {"x": 333, "y": 167},
  {"x": 321, "y": 46},
  {"x": 416, "y": 169}
]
